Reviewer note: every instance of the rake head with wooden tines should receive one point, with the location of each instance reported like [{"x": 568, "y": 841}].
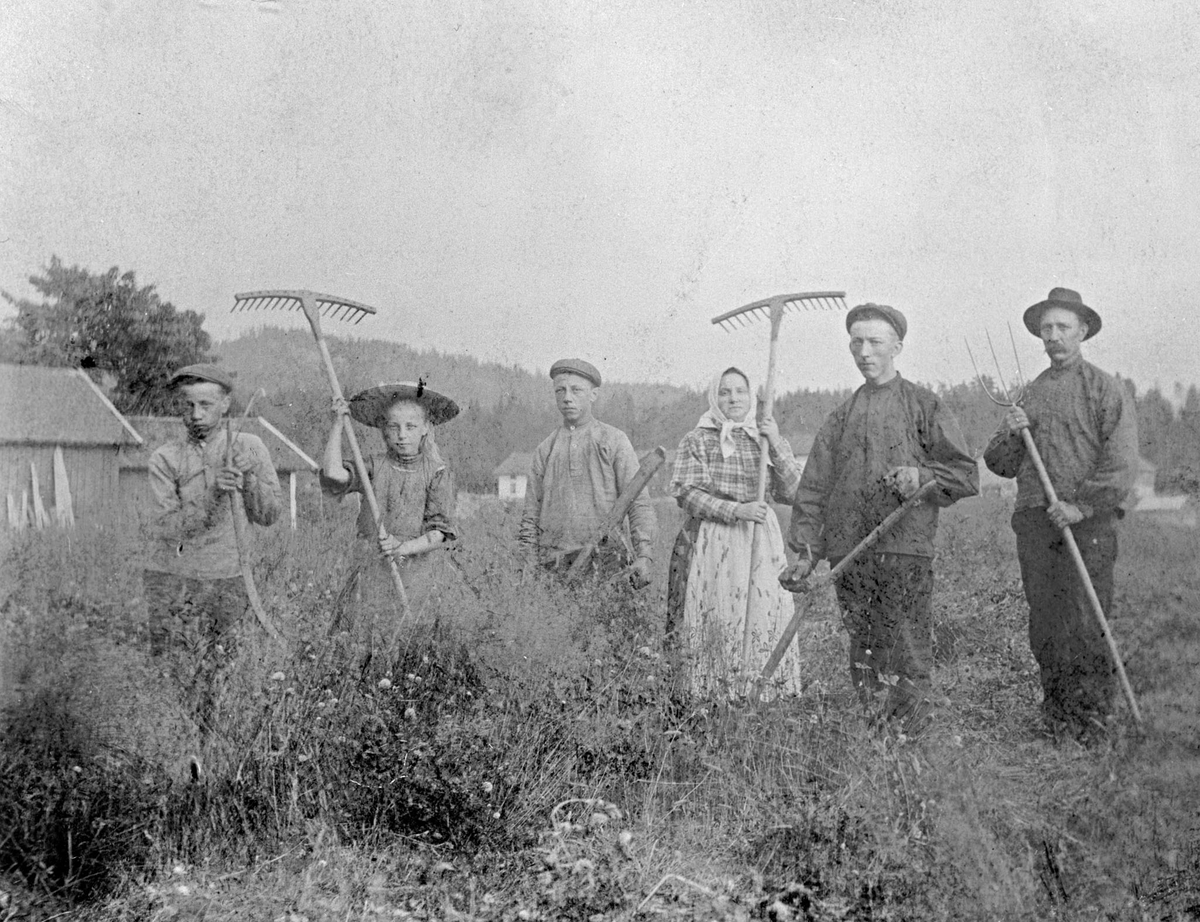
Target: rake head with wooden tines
[
  {"x": 769, "y": 307},
  {"x": 311, "y": 303}
]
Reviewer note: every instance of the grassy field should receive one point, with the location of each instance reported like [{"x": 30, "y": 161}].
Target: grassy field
[{"x": 528, "y": 756}]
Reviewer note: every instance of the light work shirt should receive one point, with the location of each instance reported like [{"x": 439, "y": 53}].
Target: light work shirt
[
  {"x": 574, "y": 481},
  {"x": 192, "y": 529}
]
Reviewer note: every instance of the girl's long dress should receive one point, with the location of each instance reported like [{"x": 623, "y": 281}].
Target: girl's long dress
[
  {"x": 414, "y": 498},
  {"x": 711, "y": 579}
]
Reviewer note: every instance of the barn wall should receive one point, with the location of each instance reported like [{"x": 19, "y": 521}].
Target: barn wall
[{"x": 91, "y": 473}]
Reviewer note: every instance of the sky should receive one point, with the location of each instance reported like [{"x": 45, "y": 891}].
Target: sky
[{"x": 527, "y": 180}]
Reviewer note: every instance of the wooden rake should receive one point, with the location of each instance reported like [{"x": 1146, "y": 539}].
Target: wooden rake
[
  {"x": 1013, "y": 399},
  {"x": 771, "y": 309},
  {"x": 313, "y": 305}
]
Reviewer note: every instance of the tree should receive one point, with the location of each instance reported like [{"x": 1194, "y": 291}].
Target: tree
[{"x": 106, "y": 323}]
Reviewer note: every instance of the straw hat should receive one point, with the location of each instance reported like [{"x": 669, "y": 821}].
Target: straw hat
[{"x": 370, "y": 406}]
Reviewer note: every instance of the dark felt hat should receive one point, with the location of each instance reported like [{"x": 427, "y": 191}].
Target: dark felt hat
[
  {"x": 878, "y": 312},
  {"x": 370, "y": 406},
  {"x": 202, "y": 372},
  {"x": 576, "y": 367},
  {"x": 1061, "y": 297}
]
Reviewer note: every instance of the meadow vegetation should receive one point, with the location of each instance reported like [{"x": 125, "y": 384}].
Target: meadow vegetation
[{"x": 527, "y": 753}]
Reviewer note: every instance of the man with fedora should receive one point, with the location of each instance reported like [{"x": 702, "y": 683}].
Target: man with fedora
[
  {"x": 193, "y": 583},
  {"x": 872, "y": 452},
  {"x": 577, "y": 473},
  {"x": 1085, "y": 428}
]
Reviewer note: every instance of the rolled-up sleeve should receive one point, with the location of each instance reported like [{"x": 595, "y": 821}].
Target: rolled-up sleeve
[{"x": 438, "y": 503}]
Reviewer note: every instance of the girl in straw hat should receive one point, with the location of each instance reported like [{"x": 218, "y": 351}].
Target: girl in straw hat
[
  {"x": 412, "y": 487},
  {"x": 715, "y": 481}
]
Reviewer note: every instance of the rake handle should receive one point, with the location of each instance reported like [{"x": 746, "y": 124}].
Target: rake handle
[
  {"x": 1081, "y": 568},
  {"x": 777, "y": 307},
  {"x": 360, "y": 465}
]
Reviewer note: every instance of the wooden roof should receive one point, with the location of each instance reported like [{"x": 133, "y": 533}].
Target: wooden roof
[
  {"x": 40, "y": 405},
  {"x": 158, "y": 430},
  {"x": 517, "y": 463}
]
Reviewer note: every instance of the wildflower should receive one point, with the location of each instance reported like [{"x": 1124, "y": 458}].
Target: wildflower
[
  {"x": 385, "y": 683},
  {"x": 277, "y": 677},
  {"x": 301, "y": 758},
  {"x": 487, "y": 787},
  {"x": 77, "y": 769},
  {"x": 410, "y": 713}
]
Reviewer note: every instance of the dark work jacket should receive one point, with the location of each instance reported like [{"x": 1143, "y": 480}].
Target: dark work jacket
[
  {"x": 1085, "y": 428},
  {"x": 842, "y": 496}
]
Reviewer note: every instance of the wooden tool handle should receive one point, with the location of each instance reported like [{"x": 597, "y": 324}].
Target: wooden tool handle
[
  {"x": 862, "y": 547},
  {"x": 620, "y": 509},
  {"x": 1084, "y": 577}
]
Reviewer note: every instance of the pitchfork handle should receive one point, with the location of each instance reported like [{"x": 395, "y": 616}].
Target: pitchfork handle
[{"x": 1084, "y": 577}]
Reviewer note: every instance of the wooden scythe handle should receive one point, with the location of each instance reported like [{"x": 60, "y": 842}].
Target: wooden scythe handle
[{"x": 616, "y": 516}]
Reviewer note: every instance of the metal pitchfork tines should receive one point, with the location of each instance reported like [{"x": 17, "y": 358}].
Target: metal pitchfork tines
[
  {"x": 1035, "y": 456},
  {"x": 771, "y": 309},
  {"x": 1010, "y": 400},
  {"x": 313, "y": 305}
]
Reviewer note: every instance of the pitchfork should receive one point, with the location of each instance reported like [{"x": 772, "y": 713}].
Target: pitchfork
[
  {"x": 1013, "y": 400},
  {"x": 335, "y": 308},
  {"x": 771, "y": 309}
]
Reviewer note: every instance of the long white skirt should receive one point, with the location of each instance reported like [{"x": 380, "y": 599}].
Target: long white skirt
[{"x": 715, "y": 611}]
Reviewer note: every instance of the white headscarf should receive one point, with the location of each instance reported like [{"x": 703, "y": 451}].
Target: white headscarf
[{"x": 713, "y": 418}]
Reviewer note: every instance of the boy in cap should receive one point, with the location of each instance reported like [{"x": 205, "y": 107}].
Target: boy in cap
[
  {"x": 1085, "y": 428},
  {"x": 412, "y": 487},
  {"x": 193, "y": 583},
  {"x": 873, "y": 452},
  {"x": 577, "y": 473}
]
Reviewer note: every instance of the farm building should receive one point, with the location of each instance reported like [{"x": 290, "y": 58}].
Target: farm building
[
  {"x": 512, "y": 476},
  {"x": 59, "y": 442},
  {"x": 289, "y": 460}
]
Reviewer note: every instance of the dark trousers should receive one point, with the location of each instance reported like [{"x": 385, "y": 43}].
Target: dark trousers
[
  {"x": 886, "y": 603},
  {"x": 1077, "y": 673},
  {"x": 193, "y": 637}
]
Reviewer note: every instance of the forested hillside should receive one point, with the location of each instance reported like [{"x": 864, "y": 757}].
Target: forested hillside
[{"x": 508, "y": 408}]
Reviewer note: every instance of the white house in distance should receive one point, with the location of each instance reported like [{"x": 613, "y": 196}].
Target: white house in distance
[{"x": 512, "y": 476}]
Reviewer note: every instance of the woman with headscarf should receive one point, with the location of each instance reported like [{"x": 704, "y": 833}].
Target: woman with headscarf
[
  {"x": 712, "y": 576},
  {"x": 412, "y": 487}
]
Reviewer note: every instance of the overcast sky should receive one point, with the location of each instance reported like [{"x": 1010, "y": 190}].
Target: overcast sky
[{"x": 525, "y": 180}]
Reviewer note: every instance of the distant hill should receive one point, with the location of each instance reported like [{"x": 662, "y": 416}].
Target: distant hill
[{"x": 504, "y": 408}]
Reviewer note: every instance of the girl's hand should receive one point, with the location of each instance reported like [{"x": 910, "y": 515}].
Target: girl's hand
[
  {"x": 751, "y": 512},
  {"x": 390, "y": 546}
]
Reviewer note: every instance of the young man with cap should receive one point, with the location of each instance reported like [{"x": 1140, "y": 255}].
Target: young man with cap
[
  {"x": 872, "y": 452},
  {"x": 1085, "y": 428},
  {"x": 194, "y": 590},
  {"x": 576, "y": 476}
]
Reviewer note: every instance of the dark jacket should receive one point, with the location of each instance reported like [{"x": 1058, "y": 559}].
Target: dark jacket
[
  {"x": 842, "y": 496},
  {"x": 1085, "y": 429}
]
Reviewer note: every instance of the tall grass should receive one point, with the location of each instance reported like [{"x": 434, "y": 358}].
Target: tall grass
[{"x": 525, "y": 749}]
